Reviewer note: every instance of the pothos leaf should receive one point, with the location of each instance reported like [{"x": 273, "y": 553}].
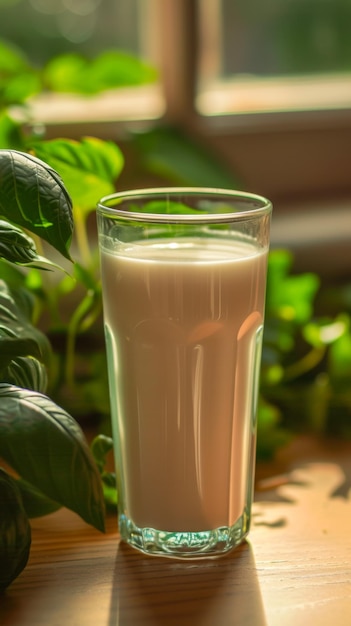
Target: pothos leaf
[
  {"x": 47, "y": 448},
  {"x": 33, "y": 196}
]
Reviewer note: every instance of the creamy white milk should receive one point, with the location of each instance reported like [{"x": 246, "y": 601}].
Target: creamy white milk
[{"x": 183, "y": 327}]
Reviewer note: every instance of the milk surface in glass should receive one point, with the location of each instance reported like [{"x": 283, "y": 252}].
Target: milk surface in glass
[{"x": 183, "y": 324}]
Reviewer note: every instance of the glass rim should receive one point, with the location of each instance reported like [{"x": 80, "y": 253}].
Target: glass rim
[{"x": 260, "y": 205}]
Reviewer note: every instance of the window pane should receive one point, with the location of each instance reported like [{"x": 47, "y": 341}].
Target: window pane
[
  {"x": 50, "y": 27},
  {"x": 277, "y": 55},
  {"x": 277, "y": 37}
]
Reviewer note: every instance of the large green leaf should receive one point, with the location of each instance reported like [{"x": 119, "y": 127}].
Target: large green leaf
[
  {"x": 47, "y": 448},
  {"x": 15, "y": 532},
  {"x": 33, "y": 196},
  {"x": 88, "y": 167},
  {"x": 34, "y": 502},
  {"x": 109, "y": 70},
  {"x": 18, "y": 337}
]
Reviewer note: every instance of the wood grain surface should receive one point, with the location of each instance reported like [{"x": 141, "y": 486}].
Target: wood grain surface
[{"x": 295, "y": 569}]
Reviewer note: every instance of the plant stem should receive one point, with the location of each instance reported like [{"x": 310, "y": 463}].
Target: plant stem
[
  {"x": 308, "y": 362},
  {"x": 72, "y": 331}
]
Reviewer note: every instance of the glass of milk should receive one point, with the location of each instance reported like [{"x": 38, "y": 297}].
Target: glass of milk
[{"x": 184, "y": 276}]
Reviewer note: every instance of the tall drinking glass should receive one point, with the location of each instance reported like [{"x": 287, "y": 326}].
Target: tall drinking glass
[{"x": 183, "y": 276}]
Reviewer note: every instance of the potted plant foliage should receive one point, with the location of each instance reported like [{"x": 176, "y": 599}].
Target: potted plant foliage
[
  {"x": 45, "y": 459},
  {"x": 50, "y": 462}
]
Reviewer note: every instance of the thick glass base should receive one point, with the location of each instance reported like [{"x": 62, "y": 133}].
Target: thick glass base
[{"x": 184, "y": 545}]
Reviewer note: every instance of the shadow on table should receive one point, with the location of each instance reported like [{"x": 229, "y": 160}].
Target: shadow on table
[{"x": 151, "y": 591}]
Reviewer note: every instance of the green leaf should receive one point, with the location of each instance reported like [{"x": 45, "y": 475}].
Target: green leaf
[
  {"x": 270, "y": 434},
  {"x": 66, "y": 73},
  {"x": 10, "y": 132},
  {"x": 23, "y": 299},
  {"x": 115, "y": 68},
  {"x": 88, "y": 167},
  {"x": 100, "y": 448},
  {"x": 323, "y": 332},
  {"x": 35, "y": 284},
  {"x": 12, "y": 60},
  {"x": 289, "y": 297},
  {"x": 16, "y": 246},
  {"x": 171, "y": 154},
  {"x": 72, "y": 73},
  {"x": 109, "y": 486},
  {"x": 34, "y": 502},
  {"x": 21, "y": 87},
  {"x": 18, "y": 79},
  {"x": 47, "y": 448},
  {"x": 33, "y": 196},
  {"x": 12, "y": 347},
  {"x": 15, "y": 532},
  {"x": 18, "y": 337},
  {"x": 25, "y": 372},
  {"x": 13, "y": 275}
]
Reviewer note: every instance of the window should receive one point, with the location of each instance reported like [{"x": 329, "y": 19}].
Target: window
[
  {"x": 274, "y": 56},
  {"x": 275, "y": 38},
  {"x": 266, "y": 85},
  {"x": 289, "y": 151}
]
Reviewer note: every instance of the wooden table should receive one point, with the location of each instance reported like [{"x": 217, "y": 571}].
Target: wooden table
[{"x": 295, "y": 569}]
